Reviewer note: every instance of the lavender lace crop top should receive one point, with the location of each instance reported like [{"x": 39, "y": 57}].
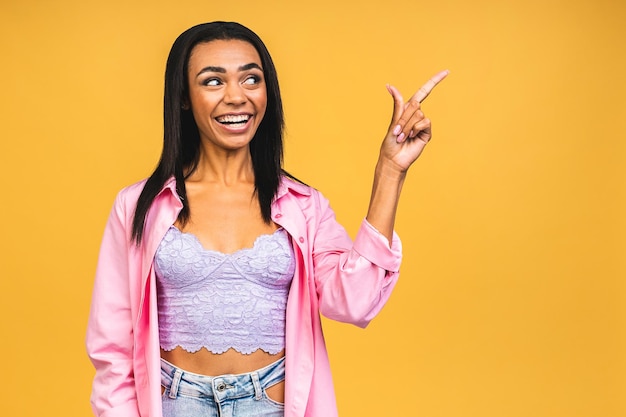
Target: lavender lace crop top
[{"x": 220, "y": 301}]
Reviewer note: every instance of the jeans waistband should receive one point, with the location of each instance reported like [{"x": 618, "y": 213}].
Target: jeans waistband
[{"x": 180, "y": 382}]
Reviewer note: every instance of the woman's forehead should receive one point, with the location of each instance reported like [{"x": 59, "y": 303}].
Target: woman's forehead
[{"x": 223, "y": 53}]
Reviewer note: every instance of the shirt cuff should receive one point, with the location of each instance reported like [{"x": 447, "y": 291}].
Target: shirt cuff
[{"x": 374, "y": 247}]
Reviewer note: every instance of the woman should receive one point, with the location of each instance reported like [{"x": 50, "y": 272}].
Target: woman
[{"x": 213, "y": 272}]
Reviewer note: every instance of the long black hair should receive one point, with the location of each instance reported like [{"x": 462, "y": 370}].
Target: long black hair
[{"x": 181, "y": 140}]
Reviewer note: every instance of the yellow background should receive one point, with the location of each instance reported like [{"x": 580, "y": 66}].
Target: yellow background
[{"x": 511, "y": 300}]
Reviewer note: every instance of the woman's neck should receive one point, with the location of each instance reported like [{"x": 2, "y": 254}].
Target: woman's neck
[{"x": 224, "y": 166}]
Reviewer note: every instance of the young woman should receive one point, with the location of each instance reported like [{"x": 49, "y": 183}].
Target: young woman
[{"x": 213, "y": 272}]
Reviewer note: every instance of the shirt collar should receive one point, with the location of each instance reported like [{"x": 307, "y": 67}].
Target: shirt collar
[
  {"x": 170, "y": 185},
  {"x": 288, "y": 185}
]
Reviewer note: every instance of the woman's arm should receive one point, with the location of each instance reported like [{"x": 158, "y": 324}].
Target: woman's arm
[
  {"x": 408, "y": 134},
  {"x": 353, "y": 279},
  {"x": 110, "y": 330}
]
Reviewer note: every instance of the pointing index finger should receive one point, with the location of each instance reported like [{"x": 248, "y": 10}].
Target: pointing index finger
[{"x": 425, "y": 90}]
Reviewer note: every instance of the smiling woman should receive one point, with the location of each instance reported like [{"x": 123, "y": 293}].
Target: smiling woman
[
  {"x": 226, "y": 93},
  {"x": 213, "y": 271}
]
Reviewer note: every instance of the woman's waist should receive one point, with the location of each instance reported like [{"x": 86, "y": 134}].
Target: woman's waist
[{"x": 205, "y": 362}]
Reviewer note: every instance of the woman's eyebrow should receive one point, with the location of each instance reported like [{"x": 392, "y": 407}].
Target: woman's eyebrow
[
  {"x": 222, "y": 70},
  {"x": 250, "y": 66}
]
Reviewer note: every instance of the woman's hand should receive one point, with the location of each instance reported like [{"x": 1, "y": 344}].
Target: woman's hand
[
  {"x": 406, "y": 138},
  {"x": 410, "y": 129}
]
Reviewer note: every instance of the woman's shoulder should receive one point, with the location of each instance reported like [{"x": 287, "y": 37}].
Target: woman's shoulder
[
  {"x": 129, "y": 195},
  {"x": 131, "y": 192},
  {"x": 291, "y": 183},
  {"x": 307, "y": 197},
  {"x": 299, "y": 190},
  {"x": 126, "y": 198}
]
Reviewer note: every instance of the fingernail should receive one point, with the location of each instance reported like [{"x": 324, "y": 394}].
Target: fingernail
[
  {"x": 397, "y": 129},
  {"x": 411, "y": 133},
  {"x": 400, "y": 137}
]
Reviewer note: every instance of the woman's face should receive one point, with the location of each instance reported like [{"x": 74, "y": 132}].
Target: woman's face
[{"x": 227, "y": 92}]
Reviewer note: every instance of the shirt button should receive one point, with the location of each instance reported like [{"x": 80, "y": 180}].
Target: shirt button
[{"x": 301, "y": 239}]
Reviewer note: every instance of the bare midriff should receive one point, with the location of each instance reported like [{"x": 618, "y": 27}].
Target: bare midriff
[{"x": 204, "y": 362}]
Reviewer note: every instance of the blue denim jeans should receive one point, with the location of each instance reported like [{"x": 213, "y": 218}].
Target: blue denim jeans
[{"x": 192, "y": 395}]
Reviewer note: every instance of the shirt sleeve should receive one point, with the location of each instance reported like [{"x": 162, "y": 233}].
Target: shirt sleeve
[
  {"x": 110, "y": 328},
  {"x": 353, "y": 279}
]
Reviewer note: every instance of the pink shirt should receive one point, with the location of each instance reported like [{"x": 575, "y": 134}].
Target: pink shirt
[{"x": 345, "y": 281}]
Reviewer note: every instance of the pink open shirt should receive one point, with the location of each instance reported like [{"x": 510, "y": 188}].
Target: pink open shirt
[{"x": 345, "y": 281}]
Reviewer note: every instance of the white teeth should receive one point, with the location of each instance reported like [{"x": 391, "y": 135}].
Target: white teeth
[{"x": 232, "y": 118}]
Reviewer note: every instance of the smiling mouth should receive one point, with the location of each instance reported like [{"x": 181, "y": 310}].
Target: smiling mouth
[{"x": 234, "y": 120}]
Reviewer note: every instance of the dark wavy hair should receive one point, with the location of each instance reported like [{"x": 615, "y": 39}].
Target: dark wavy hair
[{"x": 181, "y": 140}]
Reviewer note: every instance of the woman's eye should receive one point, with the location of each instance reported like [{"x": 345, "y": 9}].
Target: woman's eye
[
  {"x": 212, "y": 82},
  {"x": 252, "y": 80}
]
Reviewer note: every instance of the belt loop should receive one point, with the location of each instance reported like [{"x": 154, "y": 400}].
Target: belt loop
[
  {"x": 258, "y": 392},
  {"x": 175, "y": 382}
]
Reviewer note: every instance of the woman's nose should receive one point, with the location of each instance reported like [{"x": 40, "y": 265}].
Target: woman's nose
[{"x": 234, "y": 94}]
